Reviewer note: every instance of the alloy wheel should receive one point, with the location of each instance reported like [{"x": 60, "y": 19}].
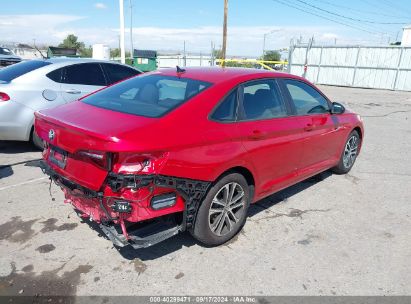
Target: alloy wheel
[
  {"x": 350, "y": 151},
  {"x": 226, "y": 209}
]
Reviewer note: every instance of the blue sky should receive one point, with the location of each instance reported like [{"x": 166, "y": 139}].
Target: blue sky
[{"x": 164, "y": 25}]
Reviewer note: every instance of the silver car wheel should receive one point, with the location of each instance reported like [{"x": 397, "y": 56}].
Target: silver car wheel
[
  {"x": 350, "y": 151},
  {"x": 226, "y": 209}
]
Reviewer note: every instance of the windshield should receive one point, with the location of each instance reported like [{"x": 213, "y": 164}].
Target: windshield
[
  {"x": 150, "y": 95},
  {"x": 16, "y": 70},
  {"x": 4, "y": 51}
]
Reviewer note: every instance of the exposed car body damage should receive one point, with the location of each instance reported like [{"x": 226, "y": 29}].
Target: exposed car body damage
[{"x": 101, "y": 208}]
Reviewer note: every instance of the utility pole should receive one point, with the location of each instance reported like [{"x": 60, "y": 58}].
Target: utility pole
[
  {"x": 131, "y": 29},
  {"x": 224, "y": 48},
  {"x": 122, "y": 47}
]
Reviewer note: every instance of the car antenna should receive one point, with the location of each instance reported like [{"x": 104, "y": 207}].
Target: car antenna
[{"x": 180, "y": 70}]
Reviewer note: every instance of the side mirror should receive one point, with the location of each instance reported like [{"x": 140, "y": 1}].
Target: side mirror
[{"x": 337, "y": 108}]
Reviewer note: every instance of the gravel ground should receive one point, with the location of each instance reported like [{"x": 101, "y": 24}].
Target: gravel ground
[{"x": 334, "y": 235}]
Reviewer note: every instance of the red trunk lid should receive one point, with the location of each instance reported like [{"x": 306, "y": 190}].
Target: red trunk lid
[{"x": 81, "y": 127}]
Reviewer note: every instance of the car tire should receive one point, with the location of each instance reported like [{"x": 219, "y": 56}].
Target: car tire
[
  {"x": 349, "y": 153},
  {"x": 36, "y": 140},
  {"x": 220, "y": 218}
]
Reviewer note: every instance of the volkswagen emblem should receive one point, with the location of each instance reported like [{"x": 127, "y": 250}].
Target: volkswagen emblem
[{"x": 51, "y": 134}]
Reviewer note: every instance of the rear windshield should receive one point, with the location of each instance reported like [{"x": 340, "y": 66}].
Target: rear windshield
[
  {"x": 16, "y": 70},
  {"x": 150, "y": 95}
]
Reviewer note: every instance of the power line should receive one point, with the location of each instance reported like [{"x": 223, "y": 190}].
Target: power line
[
  {"x": 383, "y": 6},
  {"x": 329, "y": 19},
  {"x": 396, "y": 6},
  {"x": 345, "y": 17},
  {"x": 375, "y": 29},
  {"x": 357, "y": 10}
]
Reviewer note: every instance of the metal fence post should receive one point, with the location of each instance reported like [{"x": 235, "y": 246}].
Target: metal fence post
[
  {"x": 319, "y": 63},
  {"x": 310, "y": 42},
  {"x": 398, "y": 69},
  {"x": 355, "y": 67},
  {"x": 290, "y": 55}
]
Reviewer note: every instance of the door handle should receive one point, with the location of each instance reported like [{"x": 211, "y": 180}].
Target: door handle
[
  {"x": 257, "y": 134},
  {"x": 73, "y": 91},
  {"x": 309, "y": 127}
]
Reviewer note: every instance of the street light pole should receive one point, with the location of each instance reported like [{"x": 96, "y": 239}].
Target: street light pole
[
  {"x": 265, "y": 37},
  {"x": 122, "y": 46}
]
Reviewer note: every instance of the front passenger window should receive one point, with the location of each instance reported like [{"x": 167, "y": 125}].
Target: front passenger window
[{"x": 306, "y": 99}]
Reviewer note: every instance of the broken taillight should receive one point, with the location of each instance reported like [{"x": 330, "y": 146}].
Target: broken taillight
[
  {"x": 4, "y": 97},
  {"x": 133, "y": 164},
  {"x": 99, "y": 158},
  {"x": 128, "y": 163}
]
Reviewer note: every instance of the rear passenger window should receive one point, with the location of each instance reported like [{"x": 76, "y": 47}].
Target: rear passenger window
[
  {"x": 261, "y": 100},
  {"x": 118, "y": 72},
  {"x": 306, "y": 99},
  {"x": 84, "y": 74},
  {"x": 226, "y": 110},
  {"x": 55, "y": 75}
]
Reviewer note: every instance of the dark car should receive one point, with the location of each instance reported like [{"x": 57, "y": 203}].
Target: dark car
[{"x": 7, "y": 57}]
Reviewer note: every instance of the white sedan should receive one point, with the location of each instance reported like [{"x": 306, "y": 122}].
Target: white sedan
[{"x": 35, "y": 85}]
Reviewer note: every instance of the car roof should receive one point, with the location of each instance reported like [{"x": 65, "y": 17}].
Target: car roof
[
  {"x": 64, "y": 61},
  {"x": 220, "y": 74},
  {"x": 75, "y": 60}
]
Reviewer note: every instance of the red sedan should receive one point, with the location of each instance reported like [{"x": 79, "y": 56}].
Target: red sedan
[{"x": 191, "y": 149}]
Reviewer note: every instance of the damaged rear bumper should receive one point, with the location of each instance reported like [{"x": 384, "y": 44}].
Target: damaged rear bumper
[
  {"x": 144, "y": 236},
  {"x": 117, "y": 228}
]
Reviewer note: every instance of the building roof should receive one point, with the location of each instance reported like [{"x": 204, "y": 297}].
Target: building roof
[
  {"x": 63, "y": 51},
  {"x": 145, "y": 53}
]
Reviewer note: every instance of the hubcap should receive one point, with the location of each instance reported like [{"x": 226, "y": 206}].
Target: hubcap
[
  {"x": 226, "y": 209},
  {"x": 350, "y": 151}
]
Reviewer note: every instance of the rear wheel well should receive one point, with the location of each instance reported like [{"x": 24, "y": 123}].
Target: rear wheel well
[
  {"x": 247, "y": 175},
  {"x": 35, "y": 139}
]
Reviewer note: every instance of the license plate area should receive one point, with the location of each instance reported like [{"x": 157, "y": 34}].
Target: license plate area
[{"x": 58, "y": 157}]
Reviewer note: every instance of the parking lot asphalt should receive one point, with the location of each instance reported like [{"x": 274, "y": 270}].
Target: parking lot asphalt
[{"x": 330, "y": 235}]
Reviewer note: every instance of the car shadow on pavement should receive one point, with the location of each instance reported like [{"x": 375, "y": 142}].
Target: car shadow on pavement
[
  {"x": 186, "y": 240},
  {"x": 16, "y": 147},
  {"x": 13, "y": 147},
  {"x": 283, "y": 195},
  {"x": 6, "y": 171}
]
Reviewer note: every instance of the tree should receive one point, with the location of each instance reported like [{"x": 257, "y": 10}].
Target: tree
[
  {"x": 271, "y": 56},
  {"x": 115, "y": 53},
  {"x": 87, "y": 52},
  {"x": 71, "y": 41},
  {"x": 217, "y": 53}
]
